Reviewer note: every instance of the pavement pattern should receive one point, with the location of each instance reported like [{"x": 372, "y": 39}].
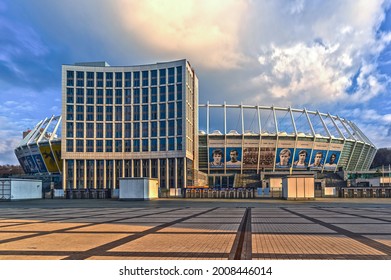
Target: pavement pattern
[{"x": 188, "y": 230}]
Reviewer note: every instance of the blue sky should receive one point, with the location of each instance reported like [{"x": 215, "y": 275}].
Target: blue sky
[{"x": 331, "y": 56}]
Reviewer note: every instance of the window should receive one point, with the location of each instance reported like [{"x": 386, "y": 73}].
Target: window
[
  {"x": 90, "y": 113},
  {"x": 179, "y": 92},
  {"x": 162, "y": 90},
  {"x": 70, "y": 78},
  {"x": 128, "y": 79},
  {"x": 171, "y": 128},
  {"x": 118, "y": 113},
  {"x": 153, "y": 129},
  {"x": 162, "y": 128},
  {"x": 153, "y": 77},
  {"x": 171, "y": 93},
  {"x": 99, "y": 113},
  {"x": 109, "y": 130},
  {"x": 153, "y": 111},
  {"x": 179, "y": 143},
  {"x": 127, "y": 144},
  {"x": 118, "y": 96},
  {"x": 99, "y": 96},
  {"x": 69, "y": 145},
  {"x": 171, "y": 144},
  {"x": 145, "y": 129},
  {"x": 118, "y": 146},
  {"x": 90, "y": 146},
  {"x": 79, "y": 95},
  {"x": 109, "y": 96},
  {"x": 162, "y": 111},
  {"x": 99, "y": 130},
  {"x": 153, "y": 145},
  {"x": 79, "y": 130},
  {"x": 162, "y": 74},
  {"x": 90, "y": 96},
  {"x": 128, "y": 130},
  {"x": 179, "y": 109},
  {"x": 145, "y": 78},
  {"x": 145, "y": 112},
  {"x": 118, "y": 79},
  {"x": 79, "y": 146},
  {"x": 154, "y": 94},
  {"x": 171, "y": 75},
  {"x": 136, "y": 96},
  {"x": 136, "y": 130},
  {"x": 109, "y": 79},
  {"x": 136, "y": 113},
  {"x": 179, "y": 126},
  {"x": 90, "y": 79},
  {"x": 179, "y": 74},
  {"x": 70, "y": 95},
  {"x": 162, "y": 143},
  {"x": 70, "y": 112},
  {"x": 109, "y": 113},
  {"x": 79, "y": 112},
  {"x": 69, "y": 129},
  {"x": 89, "y": 130},
  {"x": 171, "y": 110},
  {"x": 145, "y": 95},
  {"x": 109, "y": 146},
  {"x": 99, "y": 79},
  {"x": 128, "y": 96},
  {"x": 136, "y": 145},
  {"x": 128, "y": 113},
  {"x": 145, "y": 145},
  {"x": 136, "y": 79},
  {"x": 99, "y": 146},
  {"x": 80, "y": 79},
  {"x": 118, "y": 130}
]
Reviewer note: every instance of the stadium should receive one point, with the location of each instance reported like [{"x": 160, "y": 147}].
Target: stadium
[{"x": 145, "y": 121}]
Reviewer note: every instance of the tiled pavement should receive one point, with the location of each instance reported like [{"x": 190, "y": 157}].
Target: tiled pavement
[{"x": 213, "y": 231}]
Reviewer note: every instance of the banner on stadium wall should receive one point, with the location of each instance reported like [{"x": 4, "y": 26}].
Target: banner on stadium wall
[
  {"x": 284, "y": 157},
  {"x": 250, "y": 157},
  {"x": 332, "y": 160},
  {"x": 233, "y": 157},
  {"x": 36, "y": 154},
  {"x": 216, "y": 157},
  {"x": 301, "y": 158},
  {"x": 49, "y": 159},
  {"x": 19, "y": 155},
  {"x": 317, "y": 159},
  {"x": 56, "y": 148},
  {"x": 266, "y": 157}
]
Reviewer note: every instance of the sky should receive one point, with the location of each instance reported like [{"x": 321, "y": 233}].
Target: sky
[{"x": 332, "y": 56}]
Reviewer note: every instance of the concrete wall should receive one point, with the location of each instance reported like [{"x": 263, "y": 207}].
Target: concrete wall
[{"x": 138, "y": 188}]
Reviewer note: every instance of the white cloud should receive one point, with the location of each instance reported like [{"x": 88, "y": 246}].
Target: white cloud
[
  {"x": 318, "y": 52},
  {"x": 203, "y": 31}
]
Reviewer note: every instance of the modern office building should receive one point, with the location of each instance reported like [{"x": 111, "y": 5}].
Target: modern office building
[
  {"x": 143, "y": 121},
  {"x": 129, "y": 121}
]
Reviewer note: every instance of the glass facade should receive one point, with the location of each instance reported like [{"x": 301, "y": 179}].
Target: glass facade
[{"x": 116, "y": 116}]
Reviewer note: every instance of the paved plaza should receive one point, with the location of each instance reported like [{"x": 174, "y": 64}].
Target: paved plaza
[{"x": 185, "y": 229}]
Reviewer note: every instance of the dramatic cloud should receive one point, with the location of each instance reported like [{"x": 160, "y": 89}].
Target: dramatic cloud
[{"x": 329, "y": 54}]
